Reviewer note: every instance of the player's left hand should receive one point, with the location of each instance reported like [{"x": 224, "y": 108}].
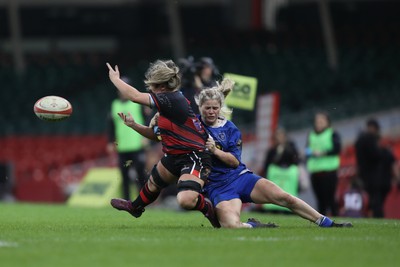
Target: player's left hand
[{"x": 128, "y": 119}]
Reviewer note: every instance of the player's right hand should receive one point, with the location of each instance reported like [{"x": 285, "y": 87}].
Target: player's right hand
[
  {"x": 210, "y": 145},
  {"x": 113, "y": 74},
  {"x": 154, "y": 120}
]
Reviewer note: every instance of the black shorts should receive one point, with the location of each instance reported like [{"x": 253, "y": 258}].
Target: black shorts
[{"x": 195, "y": 163}]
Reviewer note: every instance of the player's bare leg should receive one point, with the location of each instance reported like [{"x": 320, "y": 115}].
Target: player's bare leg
[
  {"x": 228, "y": 213},
  {"x": 148, "y": 194},
  {"x": 190, "y": 198},
  {"x": 266, "y": 191}
]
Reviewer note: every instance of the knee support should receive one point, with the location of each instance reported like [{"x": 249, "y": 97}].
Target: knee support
[
  {"x": 158, "y": 181},
  {"x": 189, "y": 185}
]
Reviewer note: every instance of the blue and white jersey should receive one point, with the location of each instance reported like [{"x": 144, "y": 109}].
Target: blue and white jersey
[{"x": 227, "y": 138}]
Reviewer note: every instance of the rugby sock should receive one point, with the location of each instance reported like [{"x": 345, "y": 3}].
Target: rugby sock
[
  {"x": 251, "y": 224},
  {"x": 201, "y": 204},
  {"x": 324, "y": 222},
  {"x": 145, "y": 197}
]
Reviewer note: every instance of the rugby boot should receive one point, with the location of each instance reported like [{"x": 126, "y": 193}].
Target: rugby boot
[
  {"x": 211, "y": 215},
  {"x": 126, "y": 205},
  {"x": 257, "y": 224},
  {"x": 343, "y": 224},
  {"x": 327, "y": 222}
]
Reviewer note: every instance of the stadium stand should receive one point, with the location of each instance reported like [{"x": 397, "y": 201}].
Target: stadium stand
[
  {"x": 39, "y": 160},
  {"x": 291, "y": 61}
]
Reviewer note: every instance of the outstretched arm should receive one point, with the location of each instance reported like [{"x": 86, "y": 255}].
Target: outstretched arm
[
  {"x": 125, "y": 89},
  {"x": 145, "y": 131}
]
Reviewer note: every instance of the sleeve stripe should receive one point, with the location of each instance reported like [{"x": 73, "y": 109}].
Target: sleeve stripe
[{"x": 154, "y": 98}]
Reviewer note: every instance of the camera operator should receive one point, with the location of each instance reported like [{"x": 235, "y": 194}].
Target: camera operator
[{"x": 196, "y": 76}]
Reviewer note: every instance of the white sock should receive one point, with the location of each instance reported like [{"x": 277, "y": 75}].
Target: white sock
[
  {"x": 318, "y": 222},
  {"x": 247, "y": 225}
]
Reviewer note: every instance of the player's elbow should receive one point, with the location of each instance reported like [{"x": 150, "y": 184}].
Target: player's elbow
[
  {"x": 234, "y": 163},
  {"x": 154, "y": 137}
]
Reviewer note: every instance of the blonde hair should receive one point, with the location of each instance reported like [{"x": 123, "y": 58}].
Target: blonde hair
[
  {"x": 163, "y": 72},
  {"x": 218, "y": 93}
]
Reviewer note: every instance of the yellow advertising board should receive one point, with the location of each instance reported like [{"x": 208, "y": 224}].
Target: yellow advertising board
[
  {"x": 97, "y": 187},
  {"x": 244, "y": 93}
]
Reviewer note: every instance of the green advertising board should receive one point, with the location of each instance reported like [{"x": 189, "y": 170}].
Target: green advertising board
[{"x": 244, "y": 93}]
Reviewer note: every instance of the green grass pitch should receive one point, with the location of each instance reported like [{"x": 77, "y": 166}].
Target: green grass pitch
[{"x": 57, "y": 236}]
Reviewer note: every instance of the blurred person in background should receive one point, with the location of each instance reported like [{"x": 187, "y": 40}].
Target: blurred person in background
[
  {"x": 197, "y": 76},
  {"x": 354, "y": 201},
  {"x": 207, "y": 73},
  {"x": 153, "y": 150},
  {"x": 375, "y": 166},
  {"x": 390, "y": 173},
  {"x": 322, "y": 151},
  {"x": 281, "y": 166},
  {"x": 189, "y": 87},
  {"x": 129, "y": 145}
]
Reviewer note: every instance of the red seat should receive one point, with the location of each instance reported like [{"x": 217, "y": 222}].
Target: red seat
[
  {"x": 391, "y": 208},
  {"x": 41, "y": 162}
]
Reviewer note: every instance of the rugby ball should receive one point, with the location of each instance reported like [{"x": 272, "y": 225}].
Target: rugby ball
[{"x": 52, "y": 108}]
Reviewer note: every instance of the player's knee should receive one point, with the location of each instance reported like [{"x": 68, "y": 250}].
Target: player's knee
[
  {"x": 187, "y": 200},
  {"x": 188, "y": 192}
]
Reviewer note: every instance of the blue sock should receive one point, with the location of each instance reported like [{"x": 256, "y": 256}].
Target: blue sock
[
  {"x": 253, "y": 224},
  {"x": 324, "y": 222}
]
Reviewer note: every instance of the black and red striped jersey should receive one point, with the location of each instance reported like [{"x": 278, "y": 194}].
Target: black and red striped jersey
[{"x": 181, "y": 131}]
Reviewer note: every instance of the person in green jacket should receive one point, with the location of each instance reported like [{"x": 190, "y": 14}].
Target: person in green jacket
[
  {"x": 128, "y": 144},
  {"x": 323, "y": 161},
  {"x": 281, "y": 166}
]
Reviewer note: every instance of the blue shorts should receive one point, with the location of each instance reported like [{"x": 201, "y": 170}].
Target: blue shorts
[{"x": 239, "y": 187}]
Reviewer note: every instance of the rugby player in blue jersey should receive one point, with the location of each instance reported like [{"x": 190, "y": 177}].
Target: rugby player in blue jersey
[{"x": 230, "y": 183}]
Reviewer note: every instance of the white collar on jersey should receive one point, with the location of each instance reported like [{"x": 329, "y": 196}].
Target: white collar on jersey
[{"x": 221, "y": 121}]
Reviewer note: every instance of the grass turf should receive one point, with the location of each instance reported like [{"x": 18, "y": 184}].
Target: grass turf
[{"x": 57, "y": 236}]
